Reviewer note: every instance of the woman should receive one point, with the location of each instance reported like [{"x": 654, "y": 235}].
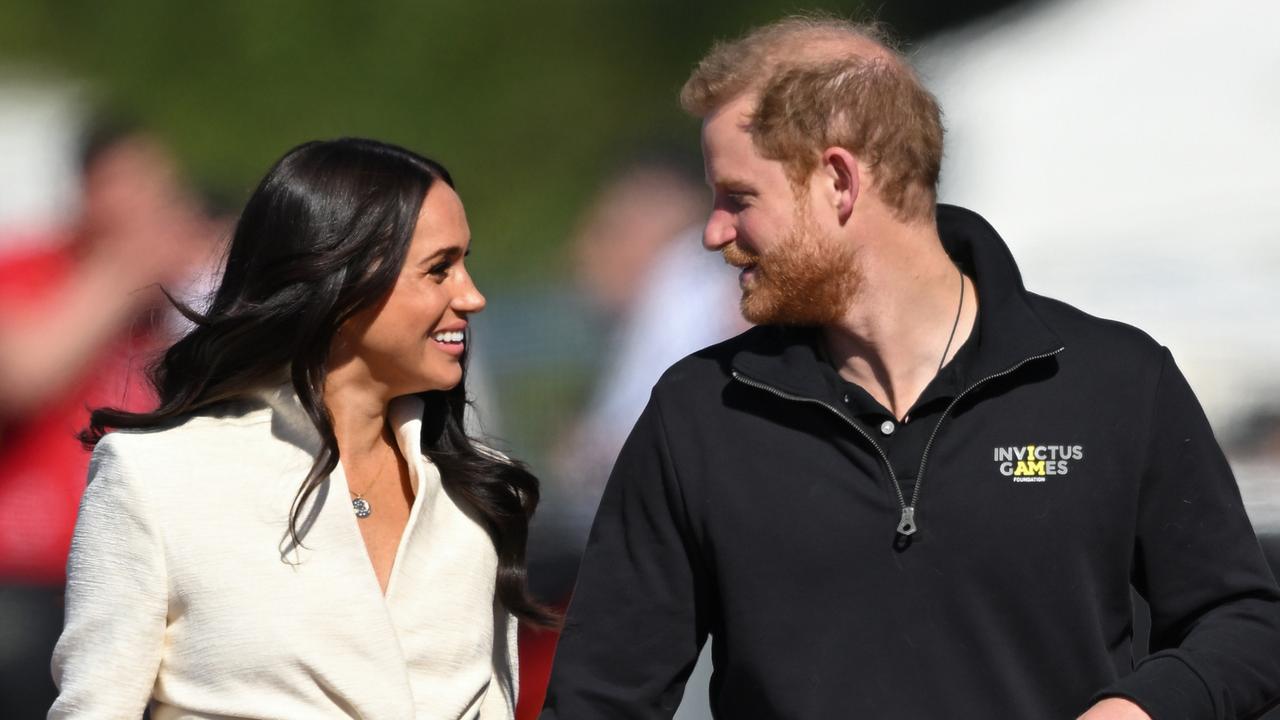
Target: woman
[{"x": 302, "y": 528}]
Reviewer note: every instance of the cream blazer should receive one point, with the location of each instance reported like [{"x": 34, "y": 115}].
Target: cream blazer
[{"x": 183, "y": 590}]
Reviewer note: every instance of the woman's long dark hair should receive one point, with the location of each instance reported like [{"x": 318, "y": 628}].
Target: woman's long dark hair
[{"x": 324, "y": 236}]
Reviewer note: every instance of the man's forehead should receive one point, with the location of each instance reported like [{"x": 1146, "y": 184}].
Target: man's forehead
[
  {"x": 736, "y": 114},
  {"x": 723, "y": 167},
  {"x": 727, "y": 145}
]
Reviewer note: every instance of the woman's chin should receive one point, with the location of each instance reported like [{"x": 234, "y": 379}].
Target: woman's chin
[{"x": 440, "y": 381}]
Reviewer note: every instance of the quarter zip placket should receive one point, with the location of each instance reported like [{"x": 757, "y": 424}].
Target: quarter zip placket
[{"x": 907, "y": 524}]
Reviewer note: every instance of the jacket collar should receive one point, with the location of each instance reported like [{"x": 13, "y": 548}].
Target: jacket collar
[
  {"x": 291, "y": 424},
  {"x": 1007, "y": 333}
]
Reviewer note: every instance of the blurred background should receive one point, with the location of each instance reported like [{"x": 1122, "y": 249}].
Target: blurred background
[{"x": 1126, "y": 150}]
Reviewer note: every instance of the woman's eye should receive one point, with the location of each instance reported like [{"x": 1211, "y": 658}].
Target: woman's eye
[{"x": 439, "y": 270}]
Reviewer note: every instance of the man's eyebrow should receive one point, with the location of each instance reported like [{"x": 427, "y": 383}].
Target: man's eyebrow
[{"x": 732, "y": 183}]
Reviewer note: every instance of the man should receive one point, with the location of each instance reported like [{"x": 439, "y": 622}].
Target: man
[{"x": 917, "y": 490}]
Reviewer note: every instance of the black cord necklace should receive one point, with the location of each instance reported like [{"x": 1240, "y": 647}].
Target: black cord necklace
[{"x": 954, "y": 325}]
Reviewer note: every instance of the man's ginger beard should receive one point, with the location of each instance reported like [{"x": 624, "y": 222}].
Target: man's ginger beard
[{"x": 808, "y": 279}]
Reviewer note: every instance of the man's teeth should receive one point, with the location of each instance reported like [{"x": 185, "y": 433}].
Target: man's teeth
[{"x": 454, "y": 336}]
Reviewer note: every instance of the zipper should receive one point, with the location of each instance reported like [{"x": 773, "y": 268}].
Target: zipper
[
  {"x": 907, "y": 524},
  {"x": 800, "y": 398}
]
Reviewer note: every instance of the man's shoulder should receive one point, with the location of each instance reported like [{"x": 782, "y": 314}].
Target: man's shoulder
[
  {"x": 708, "y": 369},
  {"x": 1081, "y": 331}
]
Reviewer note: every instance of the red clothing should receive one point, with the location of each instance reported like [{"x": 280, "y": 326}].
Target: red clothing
[
  {"x": 42, "y": 466},
  {"x": 537, "y": 649}
]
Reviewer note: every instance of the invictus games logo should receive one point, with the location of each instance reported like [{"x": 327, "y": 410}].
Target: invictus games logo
[{"x": 1035, "y": 463}]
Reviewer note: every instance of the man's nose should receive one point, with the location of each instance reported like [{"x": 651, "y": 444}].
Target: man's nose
[{"x": 719, "y": 231}]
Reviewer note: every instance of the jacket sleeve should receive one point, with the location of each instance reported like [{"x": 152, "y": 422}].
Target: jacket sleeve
[
  {"x": 637, "y": 622},
  {"x": 1215, "y": 608},
  {"x": 106, "y": 660}
]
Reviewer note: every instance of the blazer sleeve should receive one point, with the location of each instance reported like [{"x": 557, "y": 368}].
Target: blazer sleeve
[
  {"x": 1215, "y": 608},
  {"x": 106, "y": 660},
  {"x": 638, "y": 617},
  {"x": 505, "y": 690}
]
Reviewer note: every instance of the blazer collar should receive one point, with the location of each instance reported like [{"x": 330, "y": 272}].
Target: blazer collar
[{"x": 291, "y": 424}]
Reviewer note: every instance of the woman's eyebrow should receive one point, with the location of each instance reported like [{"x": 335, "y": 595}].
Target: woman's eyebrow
[{"x": 450, "y": 252}]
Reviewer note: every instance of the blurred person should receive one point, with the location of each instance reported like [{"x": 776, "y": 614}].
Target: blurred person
[
  {"x": 916, "y": 490},
  {"x": 138, "y": 226},
  {"x": 637, "y": 213},
  {"x": 636, "y": 261},
  {"x": 76, "y": 315},
  {"x": 1253, "y": 447},
  {"x": 302, "y": 527},
  {"x": 661, "y": 296},
  {"x": 1257, "y": 437}
]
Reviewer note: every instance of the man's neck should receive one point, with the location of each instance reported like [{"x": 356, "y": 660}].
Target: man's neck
[{"x": 891, "y": 340}]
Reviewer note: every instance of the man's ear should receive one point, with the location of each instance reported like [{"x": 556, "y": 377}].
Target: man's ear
[{"x": 843, "y": 183}]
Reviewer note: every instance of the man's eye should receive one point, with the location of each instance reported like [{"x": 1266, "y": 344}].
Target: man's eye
[{"x": 737, "y": 200}]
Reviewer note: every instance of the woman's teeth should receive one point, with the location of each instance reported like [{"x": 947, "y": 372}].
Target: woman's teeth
[{"x": 454, "y": 336}]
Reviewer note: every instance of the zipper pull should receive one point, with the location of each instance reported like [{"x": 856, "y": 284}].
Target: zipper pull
[{"x": 907, "y": 526}]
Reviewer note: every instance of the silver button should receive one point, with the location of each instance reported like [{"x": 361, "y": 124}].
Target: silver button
[{"x": 887, "y": 427}]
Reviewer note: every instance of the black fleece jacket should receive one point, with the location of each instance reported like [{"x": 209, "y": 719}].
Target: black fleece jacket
[{"x": 1058, "y": 460}]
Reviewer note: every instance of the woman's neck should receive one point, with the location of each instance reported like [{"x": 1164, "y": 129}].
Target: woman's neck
[{"x": 359, "y": 420}]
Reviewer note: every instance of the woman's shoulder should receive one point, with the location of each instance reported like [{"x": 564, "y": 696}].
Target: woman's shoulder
[
  {"x": 216, "y": 435},
  {"x": 234, "y": 456}
]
